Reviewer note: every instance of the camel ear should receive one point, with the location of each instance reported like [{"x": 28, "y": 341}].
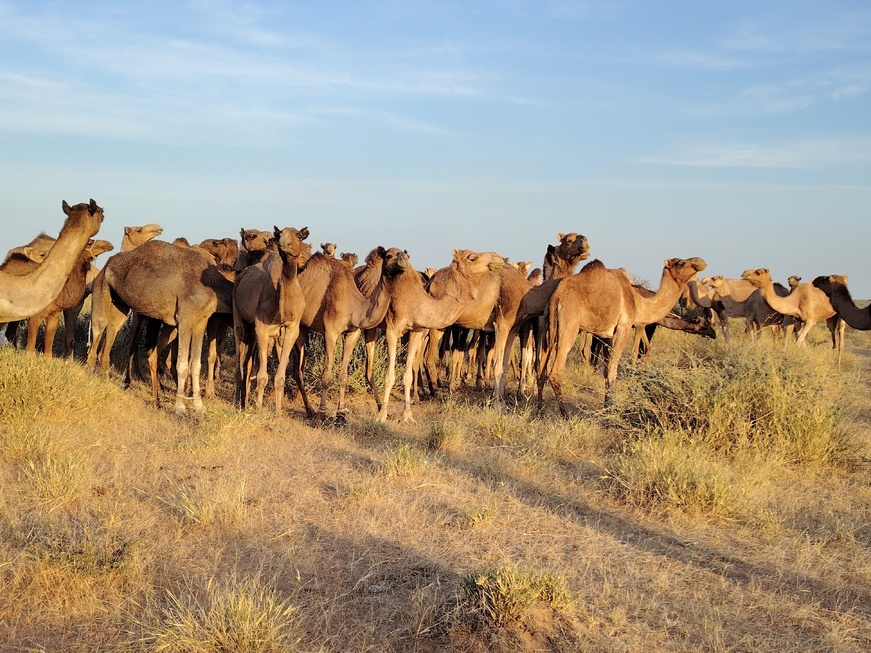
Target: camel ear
[
  {"x": 303, "y": 233},
  {"x": 381, "y": 251},
  {"x": 560, "y": 236},
  {"x": 65, "y": 207},
  {"x": 127, "y": 230},
  {"x": 93, "y": 206}
]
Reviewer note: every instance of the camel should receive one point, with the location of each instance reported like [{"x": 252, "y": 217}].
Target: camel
[
  {"x": 754, "y": 308},
  {"x": 807, "y": 303},
  {"x": 26, "y": 295},
  {"x": 413, "y": 310},
  {"x": 71, "y": 296},
  {"x": 523, "y": 267},
  {"x": 602, "y": 302},
  {"x": 253, "y": 245},
  {"x": 268, "y": 304},
  {"x": 835, "y": 288},
  {"x": 523, "y": 319},
  {"x": 698, "y": 294},
  {"x": 336, "y": 307},
  {"x": 172, "y": 284},
  {"x": 644, "y": 332},
  {"x": 793, "y": 282}
]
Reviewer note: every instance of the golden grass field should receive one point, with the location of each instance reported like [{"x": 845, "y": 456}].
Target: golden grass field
[{"x": 722, "y": 504}]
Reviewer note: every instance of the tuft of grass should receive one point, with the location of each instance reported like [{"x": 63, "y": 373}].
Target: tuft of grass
[
  {"x": 403, "y": 460},
  {"x": 505, "y": 595},
  {"x": 442, "y": 435},
  {"x": 208, "y": 503},
  {"x": 243, "y": 617}
]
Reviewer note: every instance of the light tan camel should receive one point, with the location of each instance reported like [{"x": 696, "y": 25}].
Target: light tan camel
[
  {"x": 268, "y": 305},
  {"x": 698, "y": 294},
  {"x": 524, "y": 319},
  {"x": 336, "y": 308},
  {"x": 413, "y": 310},
  {"x": 134, "y": 236},
  {"x": 71, "y": 296},
  {"x": 523, "y": 267},
  {"x": 18, "y": 262},
  {"x": 835, "y": 288},
  {"x": 754, "y": 308},
  {"x": 172, "y": 284},
  {"x": 253, "y": 245},
  {"x": 602, "y": 302},
  {"x": 644, "y": 332},
  {"x": 26, "y": 295},
  {"x": 807, "y": 303}
]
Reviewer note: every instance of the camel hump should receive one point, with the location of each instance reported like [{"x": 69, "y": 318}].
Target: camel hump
[{"x": 595, "y": 264}]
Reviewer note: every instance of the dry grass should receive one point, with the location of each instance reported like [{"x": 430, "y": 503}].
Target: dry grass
[{"x": 721, "y": 505}]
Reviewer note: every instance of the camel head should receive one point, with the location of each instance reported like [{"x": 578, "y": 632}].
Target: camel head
[
  {"x": 758, "y": 277},
  {"x": 254, "y": 240},
  {"x": 225, "y": 250},
  {"x": 477, "y": 263},
  {"x": 703, "y": 327},
  {"x": 329, "y": 249},
  {"x": 682, "y": 270},
  {"x": 395, "y": 261},
  {"x": 36, "y": 250},
  {"x": 828, "y": 283},
  {"x": 573, "y": 247},
  {"x": 135, "y": 236},
  {"x": 523, "y": 267},
  {"x": 88, "y": 215},
  {"x": 97, "y": 247},
  {"x": 290, "y": 240},
  {"x": 793, "y": 281},
  {"x": 350, "y": 258}
]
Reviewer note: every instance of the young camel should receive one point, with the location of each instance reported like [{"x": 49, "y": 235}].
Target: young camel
[
  {"x": 268, "y": 304},
  {"x": 807, "y": 303},
  {"x": 174, "y": 285},
  {"x": 25, "y": 295},
  {"x": 414, "y": 310},
  {"x": 603, "y": 302},
  {"x": 835, "y": 288}
]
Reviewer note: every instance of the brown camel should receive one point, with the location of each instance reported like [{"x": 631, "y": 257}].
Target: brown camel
[
  {"x": 524, "y": 319},
  {"x": 414, "y": 310},
  {"x": 71, "y": 296},
  {"x": 698, "y": 294},
  {"x": 602, "y": 302},
  {"x": 329, "y": 249},
  {"x": 523, "y": 267},
  {"x": 335, "y": 307},
  {"x": 26, "y": 295},
  {"x": 835, "y": 288},
  {"x": 253, "y": 245},
  {"x": 20, "y": 261},
  {"x": 644, "y": 332},
  {"x": 793, "y": 282},
  {"x": 172, "y": 284},
  {"x": 268, "y": 304},
  {"x": 807, "y": 303}
]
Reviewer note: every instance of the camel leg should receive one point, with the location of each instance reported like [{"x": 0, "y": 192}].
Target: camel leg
[
  {"x": 299, "y": 370},
  {"x": 189, "y": 363},
  {"x": 212, "y": 331},
  {"x": 392, "y": 338},
  {"x": 436, "y": 338},
  {"x": 330, "y": 338},
  {"x": 499, "y": 367},
  {"x": 33, "y": 323},
  {"x": 723, "y": 316},
  {"x": 167, "y": 334},
  {"x": 618, "y": 344},
  {"x": 241, "y": 340},
  {"x": 289, "y": 336},
  {"x": 264, "y": 345},
  {"x": 414, "y": 341},
  {"x": 350, "y": 342},
  {"x": 802, "y": 334},
  {"x": 52, "y": 322},
  {"x": 71, "y": 321},
  {"x": 370, "y": 337}
]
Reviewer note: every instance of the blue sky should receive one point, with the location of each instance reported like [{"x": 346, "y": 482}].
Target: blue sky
[{"x": 736, "y": 131}]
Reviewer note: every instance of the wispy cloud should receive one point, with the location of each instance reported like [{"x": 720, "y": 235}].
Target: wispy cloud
[{"x": 808, "y": 154}]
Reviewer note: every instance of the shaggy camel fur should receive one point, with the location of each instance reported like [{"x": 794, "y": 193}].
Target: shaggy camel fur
[
  {"x": 835, "y": 288},
  {"x": 807, "y": 303},
  {"x": 26, "y": 295},
  {"x": 335, "y": 307},
  {"x": 524, "y": 319},
  {"x": 349, "y": 258},
  {"x": 268, "y": 305},
  {"x": 414, "y": 310},
  {"x": 172, "y": 284},
  {"x": 70, "y": 297},
  {"x": 602, "y": 302}
]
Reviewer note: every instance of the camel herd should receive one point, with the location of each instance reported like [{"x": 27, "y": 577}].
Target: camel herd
[{"x": 270, "y": 290}]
